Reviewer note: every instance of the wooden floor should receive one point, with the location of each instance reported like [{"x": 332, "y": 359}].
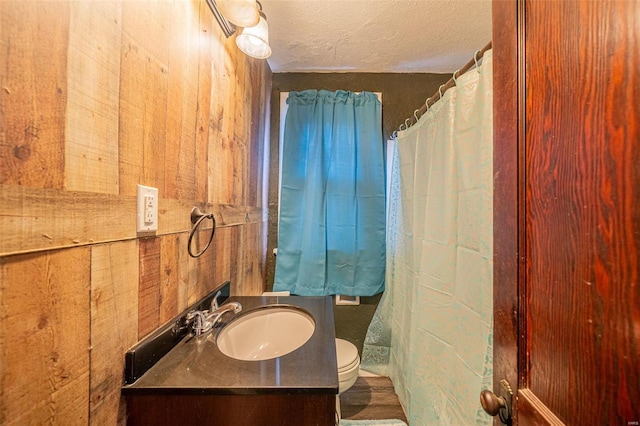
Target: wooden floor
[{"x": 371, "y": 398}]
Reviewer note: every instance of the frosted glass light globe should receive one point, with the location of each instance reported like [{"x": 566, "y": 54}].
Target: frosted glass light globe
[
  {"x": 254, "y": 41},
  {"x": 243, "y": 13}
]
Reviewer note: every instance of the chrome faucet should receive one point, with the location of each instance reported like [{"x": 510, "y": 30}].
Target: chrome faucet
[
  {"x": 234, "y": 307},
  {"x": 199, "y": 322},
  {"x": 203, "y": 321}
]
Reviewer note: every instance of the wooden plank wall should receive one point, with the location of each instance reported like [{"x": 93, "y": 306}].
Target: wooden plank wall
[{"x": 96, "y": 97}]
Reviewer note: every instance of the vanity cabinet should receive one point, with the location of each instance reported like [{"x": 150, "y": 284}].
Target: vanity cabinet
[
  {"x": 239, "y": 410},
  {"x": 195, "y": 383}
]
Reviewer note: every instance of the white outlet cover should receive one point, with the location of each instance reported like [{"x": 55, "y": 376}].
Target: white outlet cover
[{"x": 147, "y": 212}]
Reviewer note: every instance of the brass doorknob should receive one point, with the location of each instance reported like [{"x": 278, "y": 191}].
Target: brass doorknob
[
  {"x": 491, "y": 403},
  {"x": 500, "y": 406}
]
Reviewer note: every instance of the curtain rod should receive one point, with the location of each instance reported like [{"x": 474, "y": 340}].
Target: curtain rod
[{"x": 442, "y": 89}]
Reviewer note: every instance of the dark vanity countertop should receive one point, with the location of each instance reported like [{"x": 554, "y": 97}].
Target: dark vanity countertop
[{"x": 196, "y": 366}]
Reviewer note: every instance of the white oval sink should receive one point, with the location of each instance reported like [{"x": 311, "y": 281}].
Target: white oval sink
[{"x": 266, "y": 332}]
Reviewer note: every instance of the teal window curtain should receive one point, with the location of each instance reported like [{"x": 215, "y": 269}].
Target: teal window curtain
[{"x": 331, "y": 234}]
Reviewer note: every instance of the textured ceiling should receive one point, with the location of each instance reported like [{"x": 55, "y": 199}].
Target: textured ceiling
[{"x": 375, "y": 35}]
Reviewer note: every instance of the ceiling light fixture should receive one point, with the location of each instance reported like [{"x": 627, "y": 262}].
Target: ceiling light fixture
[
  {"x": 243, "y": 13},
  {"x": 227, "y": 27},
  {"x": 254, "y": 40}
]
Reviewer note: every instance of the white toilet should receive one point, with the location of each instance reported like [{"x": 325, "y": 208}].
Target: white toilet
[
  {"x": 348, "y": 367},
  {"x": 347, "y": 357}
]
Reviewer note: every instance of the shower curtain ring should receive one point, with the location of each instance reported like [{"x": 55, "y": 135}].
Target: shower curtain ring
[
  {"x": 455, "y": 79},
  {"x": 400, "y": 127},
  {"x": 426, "y": 103},
  {"x": 440, "y": 90},
  {"x": 405, "y": 123},
  {"x": 415, "y": 115},
  {"x": 475, "y": 59},
  {"x": 394, "y": 135}
]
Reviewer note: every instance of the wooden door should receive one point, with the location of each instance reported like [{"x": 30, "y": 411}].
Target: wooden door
[{"x": 567, "y": 210}]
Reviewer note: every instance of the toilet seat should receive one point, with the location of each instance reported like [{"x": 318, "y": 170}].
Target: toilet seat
[
  {"x": 347, "y": 355},
  {"x": 348, "y": 367},
  {"x": 348, "y": 364}
]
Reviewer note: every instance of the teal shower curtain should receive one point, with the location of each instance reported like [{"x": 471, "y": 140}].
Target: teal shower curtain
[
  {"x": 331, "y": 233},
  {"x": 432, "y": 331}
]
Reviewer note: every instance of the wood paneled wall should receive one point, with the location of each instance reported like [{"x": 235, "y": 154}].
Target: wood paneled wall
[{"x": 96, "y": 97}]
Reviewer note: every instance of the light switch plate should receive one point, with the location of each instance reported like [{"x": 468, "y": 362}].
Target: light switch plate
[{"x": 147, "y": 211}]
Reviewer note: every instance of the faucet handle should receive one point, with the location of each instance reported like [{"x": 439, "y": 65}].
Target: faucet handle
[
  {"x": 200, "y": 323},
  {"x": 214, "y": 301},
  {"x": 195, "y": 318}
]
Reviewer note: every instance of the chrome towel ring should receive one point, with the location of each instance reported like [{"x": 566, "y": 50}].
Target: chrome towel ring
[{"x": 197, "y": 217}]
